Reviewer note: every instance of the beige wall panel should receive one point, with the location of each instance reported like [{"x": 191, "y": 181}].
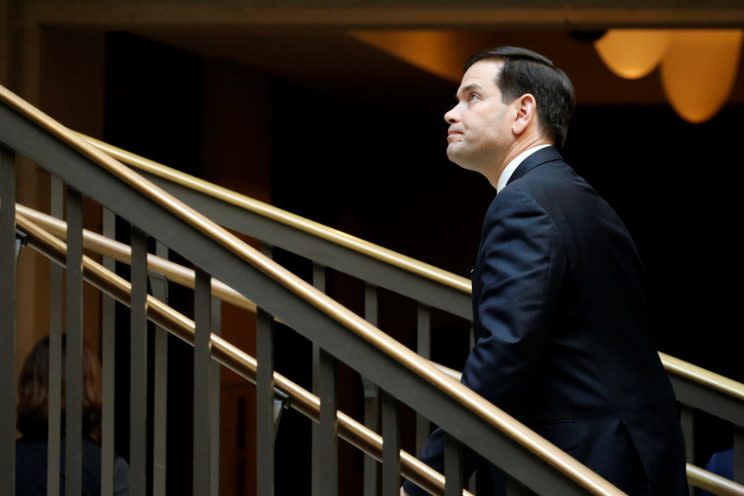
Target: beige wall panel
[
  {"x": 4, "y": 41},
  {"x": 67, "y": 82}
]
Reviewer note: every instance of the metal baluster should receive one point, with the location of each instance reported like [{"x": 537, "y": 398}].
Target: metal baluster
[
  {"x": 108, "y": 368},
  {"x": 138, "y": 367},
  {"x": 319, "y": 282},
  {"x": 328, "y": 426},
  {"x": 390, "y": 446},
  {"x": 739, "y": 454},
  {"x": 54, "y": 427},
  {"x": 423, "y": 347},
  {"x": 202, "y": 423},
  {"x": 371, "y": 396},
  {"x": 159, "y": 288},
  {"x": 264, "y": 399},
  {"x": 688, "y": 430},
  {"x": 214, "y": 400},
  {"x": 472, "y": 483},
  {"x": 453, "y": 467},
  {"x": 264, "y": 403},
  {"x": 8, "y": 322},
  {"x": 74, "y": 347}
]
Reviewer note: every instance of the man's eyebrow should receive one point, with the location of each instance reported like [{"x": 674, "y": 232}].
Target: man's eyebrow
[{"x": 465, "y": 89}]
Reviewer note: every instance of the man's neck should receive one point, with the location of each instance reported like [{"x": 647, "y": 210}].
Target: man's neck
[{"x": 516, "y": 149}]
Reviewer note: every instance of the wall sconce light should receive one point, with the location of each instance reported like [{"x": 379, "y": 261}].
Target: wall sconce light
[
  {"x": 698, "y": 66},
  {"x": 632, "y": 53},
  {"x": 699, "y": 70}
]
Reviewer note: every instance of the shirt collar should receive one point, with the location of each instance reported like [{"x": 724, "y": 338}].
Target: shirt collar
[{"x": 512, "y": 166}]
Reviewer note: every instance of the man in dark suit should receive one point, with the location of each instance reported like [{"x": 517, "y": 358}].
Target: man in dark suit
[{"x": 564, "y": 341}]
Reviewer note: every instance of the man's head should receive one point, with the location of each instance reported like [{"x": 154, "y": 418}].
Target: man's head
[{"x": 509, "y": 100}]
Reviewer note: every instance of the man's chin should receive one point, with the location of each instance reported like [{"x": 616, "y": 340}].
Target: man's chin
[
  {"x": 453, "y": 156},
  {"x": 457, "y": 158}
]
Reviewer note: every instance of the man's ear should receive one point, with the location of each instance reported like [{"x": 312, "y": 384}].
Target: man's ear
[{"x": 526, "y": 107}]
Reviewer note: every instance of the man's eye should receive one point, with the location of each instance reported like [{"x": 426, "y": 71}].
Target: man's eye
[{"x": 473, "y": 97}]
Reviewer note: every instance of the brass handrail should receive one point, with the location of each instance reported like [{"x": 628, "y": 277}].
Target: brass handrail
[
  {"x": 101, "y": 245},
  {"x": 671, "y": 364},
  {"x": 121, "y": 252},
  {"x": 702, "y": 376},
  {"x": 714, "y": 483},
  {"x": 460, "y": 394},
  {"x": 341, "y": 238},
  {"x": 231, "y": 357}
]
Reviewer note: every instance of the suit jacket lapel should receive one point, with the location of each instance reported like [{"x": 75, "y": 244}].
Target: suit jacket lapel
[{"x": 542, "y": 156}]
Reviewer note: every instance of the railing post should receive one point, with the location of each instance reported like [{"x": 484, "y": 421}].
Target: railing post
[
  {"x": 159, "y": 289},
  {"x": 74, "y": 347},
  {"x": 319, "y": 282},
  {"x": 328, "y": 425},
  {"x": 264, "y": 404},
  {"x": 8, "y": 322},
  {"x": 264, "y": 399},
  {"x": 202, "y": 423},
  {"x": 215, "y": 374},
  {"x": 472, "y": 483},
  {"x": 138, "y": 367},
  {"x": 739, "y": 454},
  {"x": 687, "y": 421},
  {"x": 108, "y": 367},
  {"x": 371, "y": 396},
  {"x": 423, "y": 348},
  {"x": 390, "y": 446},
  {"x": 453, "y": 466},
  {"x": 54, "y": 438}
]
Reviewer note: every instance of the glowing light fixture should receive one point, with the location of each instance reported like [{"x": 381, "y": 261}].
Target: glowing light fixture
[
  {"x": 698, "y": 71},
  {"x": 433, "y": 51},
  {"x": 632, "y": 53}
]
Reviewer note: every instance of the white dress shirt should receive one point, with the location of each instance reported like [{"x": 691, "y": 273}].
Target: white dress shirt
[{"x": 512, "y": 166}]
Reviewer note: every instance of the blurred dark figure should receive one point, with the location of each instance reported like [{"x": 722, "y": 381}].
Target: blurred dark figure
[
  {"x": 32, "y": 423},
  {"x": 720, "y": 463}
]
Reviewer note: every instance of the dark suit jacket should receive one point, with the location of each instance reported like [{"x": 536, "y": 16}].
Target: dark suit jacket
[
  {"x": 31, "y": 468},
  {"x": 564, "y": 341}
]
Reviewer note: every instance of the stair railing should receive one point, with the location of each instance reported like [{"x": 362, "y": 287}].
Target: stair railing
[
  {"x": 221, "y": 351},
  {"x": 340, "y": 335}
]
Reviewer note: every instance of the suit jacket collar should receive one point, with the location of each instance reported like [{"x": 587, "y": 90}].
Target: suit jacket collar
[{"x": 542, "y": 156}]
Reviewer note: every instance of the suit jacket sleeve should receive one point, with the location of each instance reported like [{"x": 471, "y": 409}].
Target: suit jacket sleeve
[{"x": 519, "y": 269}]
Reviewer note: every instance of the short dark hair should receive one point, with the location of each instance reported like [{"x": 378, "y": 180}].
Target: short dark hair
[
  {"x": 33, "y": 391},
  {"x": 525, "y": 71}
]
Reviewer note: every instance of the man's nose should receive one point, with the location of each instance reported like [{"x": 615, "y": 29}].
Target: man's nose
[{"x": 451, "y": 116}]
